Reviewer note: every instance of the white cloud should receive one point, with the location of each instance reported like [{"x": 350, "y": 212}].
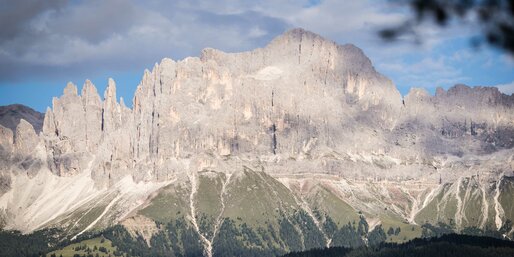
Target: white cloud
[
  {"x": 508, "y": 60},
  {"x": 507, "y": 89},
  {"x": 87, "y": 37},
  {"x": 428, "y": 72},
  {"x": 94, "y": 36}
]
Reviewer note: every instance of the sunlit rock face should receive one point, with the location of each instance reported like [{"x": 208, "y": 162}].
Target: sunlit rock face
[
  {"x": 303, "y": 105},
  {"x": 300, "y": 97}
]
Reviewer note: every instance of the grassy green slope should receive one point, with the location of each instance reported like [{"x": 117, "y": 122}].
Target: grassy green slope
[
  {"x": 101, "y": 246},
  {"x": 324, "y": 202},
  {"x": 208, "y": 200},
  {"x": 170, "y": 203},
  {"x": 258, "y": 198}
]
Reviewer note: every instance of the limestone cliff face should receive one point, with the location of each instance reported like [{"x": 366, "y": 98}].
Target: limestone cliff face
[
  {"x": 303, "y": 109},
  {"x": 296, "y": 97},
  {"x": 302, "y": 104},
  {"x": 462, "y": 120}
]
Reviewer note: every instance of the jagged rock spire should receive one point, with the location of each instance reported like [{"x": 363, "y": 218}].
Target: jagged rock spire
[
  {"x": 25, "y": 139},
  {"x": 301, "y": 94},
  {"x": 70, "y": 89}
]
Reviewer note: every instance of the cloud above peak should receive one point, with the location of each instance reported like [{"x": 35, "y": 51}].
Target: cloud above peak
[
  {"x": 98, "y": 35},
  {"x": 507, "y": 89},
  {"x": 16, "y": 16},
  {"x": 57, "y": 41}
]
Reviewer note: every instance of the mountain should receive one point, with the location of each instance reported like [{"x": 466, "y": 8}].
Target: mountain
[
  {"x": 301, "y": 144},
  {"x": 10, "y": 116}
]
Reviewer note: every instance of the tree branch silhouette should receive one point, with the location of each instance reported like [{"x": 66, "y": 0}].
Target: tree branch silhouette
[{"x": 494, "y": 19}]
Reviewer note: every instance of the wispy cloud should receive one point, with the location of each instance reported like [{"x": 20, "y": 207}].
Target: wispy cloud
[
  {"x": 87, "y": 37},
  {"x": 507, "y": 89},
  {"x": 92, "y": 36},
  {"x": 428, "y": 72},
  {"x": 61, "y": 40}
]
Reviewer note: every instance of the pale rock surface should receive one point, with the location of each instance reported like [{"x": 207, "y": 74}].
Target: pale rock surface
[
  {"x": 141, "y": 226},
  {"x": 302, "y": 105},
  {"x": 26, "y": 139},
  {"x": 11, "y": 115},
  {"x": 6, "y": 139}
]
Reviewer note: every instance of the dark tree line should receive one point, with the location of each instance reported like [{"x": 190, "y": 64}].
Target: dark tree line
[
  {"x": 16, "y": 244},
  {"x": 447, "y": 245}
]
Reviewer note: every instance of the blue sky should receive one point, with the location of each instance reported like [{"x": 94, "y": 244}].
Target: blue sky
[{"x": 45, "y": 44}]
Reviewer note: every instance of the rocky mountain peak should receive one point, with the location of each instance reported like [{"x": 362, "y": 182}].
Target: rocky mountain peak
[
  {"x": 301, "y": 117},
  {"x": 25, "y": 138},
  {"x": 70, "y": 89},
  {"x": 298, "y": 35},
  {"x": 475, "y": 96},
  {"x": 49, "y": 123},
  {"x": 89, "y": 90},
  {"x": 11, "y": 115},
  {"x": 311, "y": 46},
  {"x": 247, "y": 101},
  {"x": 110, "y": 91},
  {"x": 417, "y": 96},
  {"x": 90, "y": 95}
]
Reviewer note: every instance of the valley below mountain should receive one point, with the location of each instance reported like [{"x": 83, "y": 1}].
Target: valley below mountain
[{"x": 298, "y": 145}]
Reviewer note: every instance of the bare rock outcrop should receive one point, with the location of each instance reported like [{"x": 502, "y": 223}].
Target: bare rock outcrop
[
  {"x": 300, "y": 104},
  {"x": 25, "y": 140},
  {"x": 301, "y": 109},
  {"x": 11, "y": 115}
]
